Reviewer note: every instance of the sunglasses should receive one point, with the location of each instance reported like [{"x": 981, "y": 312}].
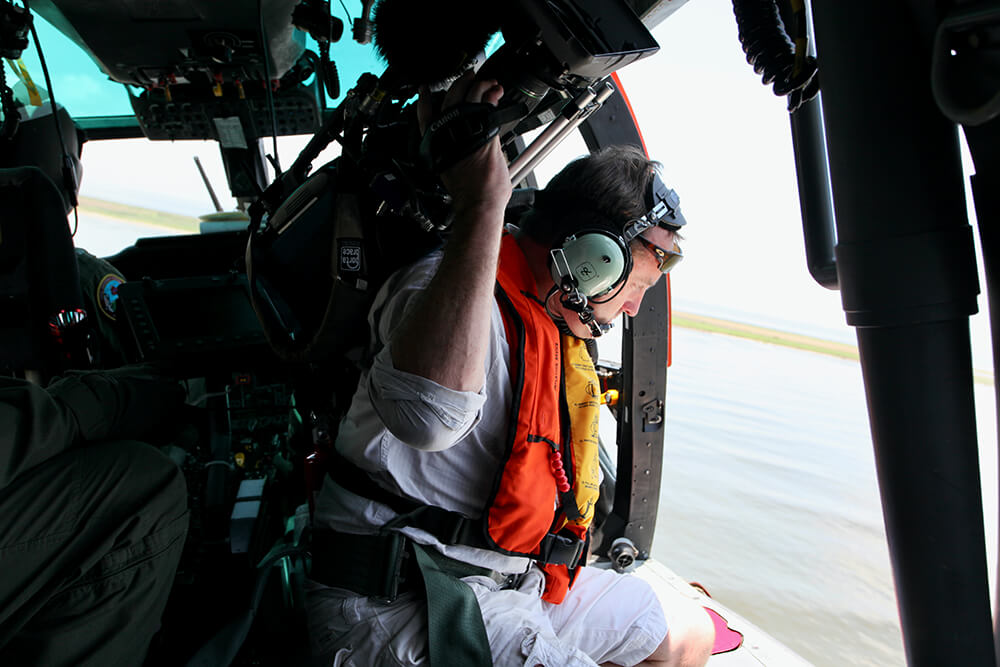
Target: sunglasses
[{"x": 667, "y": 259}]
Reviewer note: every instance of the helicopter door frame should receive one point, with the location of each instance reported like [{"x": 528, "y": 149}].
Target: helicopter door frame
[{"x": 645, "y": 355}]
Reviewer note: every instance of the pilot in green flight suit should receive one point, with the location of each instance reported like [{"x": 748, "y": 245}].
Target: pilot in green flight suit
[{"x": 92, "y": 521}]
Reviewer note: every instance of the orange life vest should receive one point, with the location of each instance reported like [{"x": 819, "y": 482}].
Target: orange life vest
[{"x": 531, "y": 497}]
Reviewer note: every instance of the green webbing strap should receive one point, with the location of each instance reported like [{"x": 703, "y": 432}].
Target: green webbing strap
[
  {"x": 456, "y": 635},
  {"x": 222, "y": 647}
]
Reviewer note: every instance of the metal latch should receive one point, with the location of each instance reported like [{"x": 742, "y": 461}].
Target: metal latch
[{"x": 652, "y": 415}]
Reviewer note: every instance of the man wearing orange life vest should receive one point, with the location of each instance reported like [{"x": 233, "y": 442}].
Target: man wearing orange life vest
[{"x": 472, "y": 475}]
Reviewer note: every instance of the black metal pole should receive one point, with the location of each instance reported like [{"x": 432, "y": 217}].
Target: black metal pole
[
  {"x": 984, "y": 145},
  {"x": 907, "y": 274},
  {"x": 818, "y": 229},
  {"x": 985, "y": 188}
]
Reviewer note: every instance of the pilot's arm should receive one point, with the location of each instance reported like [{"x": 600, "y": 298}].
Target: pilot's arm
[{"x": 38, "y": 423}]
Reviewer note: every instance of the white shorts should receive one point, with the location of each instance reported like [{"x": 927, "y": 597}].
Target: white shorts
[{"x": 605, "y": 617}]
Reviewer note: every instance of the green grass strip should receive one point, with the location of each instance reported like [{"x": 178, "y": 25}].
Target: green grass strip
[
  {"x": 765, "y": 335},
  {"x": 189, "y": 225},
  {"x": 146, "y": 216},
  {"x": 784, "y": 338}
]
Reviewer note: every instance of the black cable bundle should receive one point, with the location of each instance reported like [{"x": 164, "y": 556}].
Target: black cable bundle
[
  {"x": 773, "y": 54},
  {"x": 331, "y": 77},
  {"x": 14, "y": 25},
  {"x": 11, "y": 118},
  {"x": 314, "y": 17}
]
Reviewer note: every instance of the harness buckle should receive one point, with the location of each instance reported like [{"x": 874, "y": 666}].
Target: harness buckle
[
  {"x": 395, "y": 575},
  {"x": 376, "y": 566},
  {"x": 561, "y": 550}
]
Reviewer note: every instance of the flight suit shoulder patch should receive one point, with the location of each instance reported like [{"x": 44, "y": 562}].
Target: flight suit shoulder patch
[{"x": 107, "y": 294}]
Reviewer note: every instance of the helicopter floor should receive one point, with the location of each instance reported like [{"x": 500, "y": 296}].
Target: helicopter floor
[{"x": 739, "y": 643}]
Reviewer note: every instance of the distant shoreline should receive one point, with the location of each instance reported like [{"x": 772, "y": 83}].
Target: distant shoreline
[
  {"x": 128, "y": 213},
  {"x": 763, "y": 334},
  {"x": 189, "y": 225},
  {"x": 784, "y": 338}
]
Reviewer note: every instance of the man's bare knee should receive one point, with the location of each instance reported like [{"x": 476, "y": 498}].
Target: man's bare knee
[{"x": 689, "y": 640}]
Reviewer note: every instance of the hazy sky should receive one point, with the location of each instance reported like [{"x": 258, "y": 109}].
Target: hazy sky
[
  {"x": 722, "y": 136},
  {"x": 725, "y": 141}
]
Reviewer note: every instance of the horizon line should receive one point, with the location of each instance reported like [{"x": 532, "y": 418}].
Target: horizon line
[{"x": 683, "y": 319}]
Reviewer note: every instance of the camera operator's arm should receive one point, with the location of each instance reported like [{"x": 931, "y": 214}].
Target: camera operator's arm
[
  {"x": 38, "y": 423},
  {"x": 445, "y": 337}
]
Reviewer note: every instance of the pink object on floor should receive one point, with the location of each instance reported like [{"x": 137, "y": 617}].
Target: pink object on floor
[{"x": 726, "y": 639}]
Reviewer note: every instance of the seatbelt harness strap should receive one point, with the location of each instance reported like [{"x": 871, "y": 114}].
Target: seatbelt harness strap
[
  {"x": 380, "y": 566},
  {"x": 456, "y": 634},
  {"x": 449, "y": 527}
]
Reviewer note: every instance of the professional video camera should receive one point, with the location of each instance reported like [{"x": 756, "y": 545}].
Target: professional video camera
[{"x": 323, "y": 242}]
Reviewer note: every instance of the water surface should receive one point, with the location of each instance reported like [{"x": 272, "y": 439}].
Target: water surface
[{"x": 770, "y": 498}]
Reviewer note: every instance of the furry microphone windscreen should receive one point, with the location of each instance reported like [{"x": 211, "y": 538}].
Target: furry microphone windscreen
[{"x": 429, "y": 41}]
